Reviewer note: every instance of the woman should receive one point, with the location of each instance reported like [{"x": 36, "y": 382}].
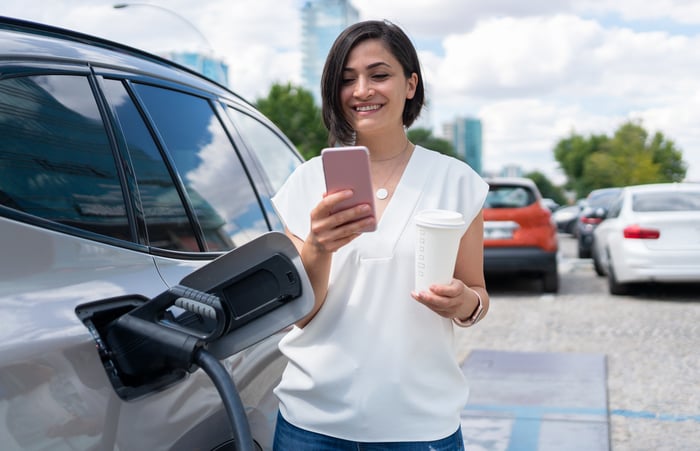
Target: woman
[{"x": 373, "y": 363}]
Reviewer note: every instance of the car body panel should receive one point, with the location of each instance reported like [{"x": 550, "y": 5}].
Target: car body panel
[
  {"x": 500, "y": 260},
  {"x": 77, "y": 48}
]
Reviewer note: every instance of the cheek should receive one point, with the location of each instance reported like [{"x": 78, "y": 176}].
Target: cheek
[{"x": 345, "y": 94}]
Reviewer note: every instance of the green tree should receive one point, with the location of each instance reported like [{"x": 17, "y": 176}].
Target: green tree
[
  {"x": 572, "y": 154},
  {"x": 547, "y": 188},
  {"x": 668, "y": 158},
  {"x": 424, "y": 137},
  {"x": 629, "y": 157},
  {"x": 293, "y": 110}
]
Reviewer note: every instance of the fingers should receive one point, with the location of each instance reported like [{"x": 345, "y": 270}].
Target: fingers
[
  {"x": 445, "y": 300},
  {"x": 331, "y": 231}
]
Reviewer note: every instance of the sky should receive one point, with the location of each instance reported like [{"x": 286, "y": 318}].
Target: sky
[{"x": 533, "y": 71}]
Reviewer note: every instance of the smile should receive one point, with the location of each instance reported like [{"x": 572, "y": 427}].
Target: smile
[{"x": 367, "y": 107}]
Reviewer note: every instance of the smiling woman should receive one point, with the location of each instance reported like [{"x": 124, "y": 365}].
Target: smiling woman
[{"x": 372, "y": 90}]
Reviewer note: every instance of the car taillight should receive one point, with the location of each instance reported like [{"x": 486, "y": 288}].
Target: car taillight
[
  {"x": 592, "y": 221},
  {"x": 636, "y": 232}
]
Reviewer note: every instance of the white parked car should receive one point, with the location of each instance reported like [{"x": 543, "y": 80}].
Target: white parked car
[{"x": 651, "y": 233}]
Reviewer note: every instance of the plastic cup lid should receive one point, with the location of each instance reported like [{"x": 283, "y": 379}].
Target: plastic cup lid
[{"x": 440, "y": 218}]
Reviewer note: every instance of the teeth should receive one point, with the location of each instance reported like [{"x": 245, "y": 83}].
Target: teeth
[{"x": 367, "y": 108}]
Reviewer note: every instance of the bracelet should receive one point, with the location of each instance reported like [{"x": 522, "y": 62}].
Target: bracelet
[{"x": 474, "y": 317}]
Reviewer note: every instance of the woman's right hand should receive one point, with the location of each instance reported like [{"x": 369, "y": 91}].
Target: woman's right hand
[{"x": 331, "y": 231}]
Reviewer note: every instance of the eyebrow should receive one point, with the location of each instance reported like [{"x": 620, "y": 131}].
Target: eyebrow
[{"x": 371, "y": 66}]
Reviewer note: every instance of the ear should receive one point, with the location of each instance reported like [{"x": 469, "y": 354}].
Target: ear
[{"x": 411, "y": 84}]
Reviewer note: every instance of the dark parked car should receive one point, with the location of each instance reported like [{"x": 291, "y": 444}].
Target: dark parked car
[
  {"x": 596, "y": 204},
  {"x": 566, "y": 218},
  {"x": 520, "y": 236},
  {"x": 123, "y": 179}
]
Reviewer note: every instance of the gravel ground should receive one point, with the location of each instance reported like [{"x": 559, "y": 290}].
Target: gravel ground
[{"x": 651, "y": 341}]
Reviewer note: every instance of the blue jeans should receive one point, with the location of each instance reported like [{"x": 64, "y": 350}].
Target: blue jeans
[{"x": 291, "y": 438}]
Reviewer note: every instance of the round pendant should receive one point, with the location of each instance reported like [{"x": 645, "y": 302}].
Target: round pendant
[{"x": 382, "y": 193}]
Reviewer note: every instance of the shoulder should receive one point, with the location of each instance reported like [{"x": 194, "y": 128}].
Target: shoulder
[
  {"x": 307, "y": 172},
  {"x": 448, "y": 163},
  {"x": 455, "y": 173},
  {"x": 306, "y": 178},
  {"x": 312, "y": 164}
]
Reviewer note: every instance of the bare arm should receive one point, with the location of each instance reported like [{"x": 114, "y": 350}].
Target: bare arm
[
  {"x": 329, "y": 232},
  {"x": 457, "y": 300}
]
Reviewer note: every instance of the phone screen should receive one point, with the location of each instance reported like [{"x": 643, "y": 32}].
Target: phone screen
[{"x": 348, "y": 168}]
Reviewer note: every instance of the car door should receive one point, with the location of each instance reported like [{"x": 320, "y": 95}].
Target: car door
[
  {"x": 198, "y": 199},
  {"x": 67, "y": 239}
]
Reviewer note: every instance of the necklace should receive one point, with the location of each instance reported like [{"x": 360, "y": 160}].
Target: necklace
[{"x": 382, "y": 193}]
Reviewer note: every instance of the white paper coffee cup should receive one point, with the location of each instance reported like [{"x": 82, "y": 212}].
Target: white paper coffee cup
[{"x": 438, "y": 234}]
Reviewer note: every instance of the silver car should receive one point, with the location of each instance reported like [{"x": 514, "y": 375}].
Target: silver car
[
  {"x": 651, "y": 233},
  {"x": 121, "y": 174}
]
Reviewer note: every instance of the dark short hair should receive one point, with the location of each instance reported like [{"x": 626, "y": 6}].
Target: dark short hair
[{"x": 400, "y": 46}]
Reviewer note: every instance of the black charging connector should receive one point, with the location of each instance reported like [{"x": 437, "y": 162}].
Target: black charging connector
[{"x": 143, "y": 347}]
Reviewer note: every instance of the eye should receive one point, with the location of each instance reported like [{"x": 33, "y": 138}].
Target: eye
[
  {"x": 380, "y": 76},
  {"x": 347, "y": 81}
]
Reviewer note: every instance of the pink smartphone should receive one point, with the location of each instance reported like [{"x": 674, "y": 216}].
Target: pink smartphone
[{"x": 348, "y": 168}]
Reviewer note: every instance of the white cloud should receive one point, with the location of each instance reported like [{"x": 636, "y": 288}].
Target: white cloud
[
  {"x": 532, "y": 80},
  {"x": 682, "y": 11},
  {"x": 509, "y": 56},
  {"x": 532, "y": 71}
]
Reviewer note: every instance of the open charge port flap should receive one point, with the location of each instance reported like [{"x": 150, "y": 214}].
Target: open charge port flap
[{"x": 260, "y": 289}]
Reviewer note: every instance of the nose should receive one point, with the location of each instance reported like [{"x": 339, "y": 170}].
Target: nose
[{"x": 363, "y": 88}]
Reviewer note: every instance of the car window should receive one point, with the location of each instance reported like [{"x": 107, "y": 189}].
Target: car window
[
  {"x": 217, "y": 185},
  {"x": 55, "y": 158},
  {"x": 279, "y": 160},
  {"x": 666, "y": 201},
  {"x": 602, "y": 198},
  {"x": 509, "y": 197},
  {"x": 615, "y": 208},
  {"x": 167, "y": 223}
]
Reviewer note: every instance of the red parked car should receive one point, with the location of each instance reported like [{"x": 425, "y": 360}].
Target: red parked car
[{"x": 520, "y": 236}]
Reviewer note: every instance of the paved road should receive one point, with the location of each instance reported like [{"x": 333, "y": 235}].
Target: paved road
[{"x": 651, "y": 339}]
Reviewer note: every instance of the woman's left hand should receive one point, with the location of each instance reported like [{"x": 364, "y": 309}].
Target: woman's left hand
[{"x": 446, "y": 300}]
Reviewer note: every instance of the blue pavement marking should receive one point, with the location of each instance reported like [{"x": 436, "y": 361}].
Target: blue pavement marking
[
  {"x": 527, "y": 401},
  {"x": 654, "y": 415},
  {"x": 524, "y": 435}
]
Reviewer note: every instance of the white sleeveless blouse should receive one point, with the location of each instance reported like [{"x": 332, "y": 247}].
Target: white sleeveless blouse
[{"x": 374, "y": 364}]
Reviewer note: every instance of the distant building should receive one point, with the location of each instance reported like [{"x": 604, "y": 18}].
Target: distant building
[
  {"x": 211, "y": 68},
  {"x": 511, "y": 170},
  {"x": 465, "y": 136},
  {"x": 322, "y": 22}
]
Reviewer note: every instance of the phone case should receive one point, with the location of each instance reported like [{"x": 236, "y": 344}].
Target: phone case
[{"x": 348, "y": 168}]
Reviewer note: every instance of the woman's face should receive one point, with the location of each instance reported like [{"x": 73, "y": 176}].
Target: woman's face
[{"x": 374, "y": 88}]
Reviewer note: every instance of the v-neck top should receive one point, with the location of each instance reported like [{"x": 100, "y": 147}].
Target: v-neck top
[{"x": 374, "y": 364}]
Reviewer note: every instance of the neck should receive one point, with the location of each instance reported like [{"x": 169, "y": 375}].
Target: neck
[{"x": 385, "y": 147}]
